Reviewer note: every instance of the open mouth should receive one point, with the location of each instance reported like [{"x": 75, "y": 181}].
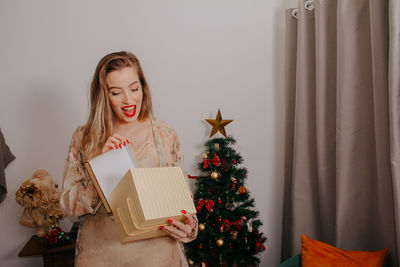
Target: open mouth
[{"x": 129, "y": 111}]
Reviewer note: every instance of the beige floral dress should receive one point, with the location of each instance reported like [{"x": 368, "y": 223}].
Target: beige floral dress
[{"x": 98, "y": 243}]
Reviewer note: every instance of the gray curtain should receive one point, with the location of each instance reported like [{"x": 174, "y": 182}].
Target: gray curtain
[{"x": 342, "y": 153}]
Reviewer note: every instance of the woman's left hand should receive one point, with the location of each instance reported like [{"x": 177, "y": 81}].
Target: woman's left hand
[{"x": 184, "y": 232}]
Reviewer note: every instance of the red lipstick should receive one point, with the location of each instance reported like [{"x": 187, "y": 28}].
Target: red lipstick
[{"x": 129, "y": 111}]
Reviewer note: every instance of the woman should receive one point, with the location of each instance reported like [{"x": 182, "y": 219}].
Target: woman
[{"x": 121, "y": 112}]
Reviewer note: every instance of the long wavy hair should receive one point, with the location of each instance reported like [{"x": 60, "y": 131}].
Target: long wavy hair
[{"x": 100, "y": 124}]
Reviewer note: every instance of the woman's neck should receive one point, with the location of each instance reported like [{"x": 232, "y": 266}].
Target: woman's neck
[{"x": 136, "y": 131}]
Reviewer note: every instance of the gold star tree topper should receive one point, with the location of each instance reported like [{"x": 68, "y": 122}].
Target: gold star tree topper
[{"x": 218, "y": 124}]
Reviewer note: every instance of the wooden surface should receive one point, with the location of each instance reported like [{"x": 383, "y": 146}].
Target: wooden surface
[{"x": 60, "y": 256}]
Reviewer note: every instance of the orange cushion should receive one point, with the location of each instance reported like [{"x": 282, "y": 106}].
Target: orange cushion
[{"x": 316, "y": 253}]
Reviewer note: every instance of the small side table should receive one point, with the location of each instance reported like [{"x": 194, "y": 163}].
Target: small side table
[{"x": 60, "y": 256}]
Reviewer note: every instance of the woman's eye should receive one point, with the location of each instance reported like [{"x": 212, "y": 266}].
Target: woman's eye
[
  {"x": 135, "y": 89},
  {"x": 114, "y": 93}
]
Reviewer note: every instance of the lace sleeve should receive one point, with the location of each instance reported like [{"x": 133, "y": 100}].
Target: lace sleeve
[
  {"x": 176, "y": 151},
  {"x": 79, "y": 195}
]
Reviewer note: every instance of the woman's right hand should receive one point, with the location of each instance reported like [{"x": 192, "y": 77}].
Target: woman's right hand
[{"x": 115, "y": 141}]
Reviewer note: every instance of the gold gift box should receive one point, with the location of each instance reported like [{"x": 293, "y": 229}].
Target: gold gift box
[
  {"x": 146, "y": 198},
  {"x": 139, "y": 199}
]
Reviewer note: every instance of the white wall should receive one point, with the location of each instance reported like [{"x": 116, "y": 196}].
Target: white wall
[{"x": 198, "y": 56}]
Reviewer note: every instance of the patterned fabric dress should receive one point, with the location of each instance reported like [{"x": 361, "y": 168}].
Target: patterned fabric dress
[{"x": 98, "y": 243}]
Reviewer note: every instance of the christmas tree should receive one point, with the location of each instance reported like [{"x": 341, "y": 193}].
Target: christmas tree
[{"x": 228, "y": 226}]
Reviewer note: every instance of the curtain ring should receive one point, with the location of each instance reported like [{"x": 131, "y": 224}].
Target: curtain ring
[
  {"x": 309, "y": 5},
  {"x": 295, "y": 13}
]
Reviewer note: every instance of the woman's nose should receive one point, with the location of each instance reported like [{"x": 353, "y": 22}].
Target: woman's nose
[{"x": 127, "y": 97}]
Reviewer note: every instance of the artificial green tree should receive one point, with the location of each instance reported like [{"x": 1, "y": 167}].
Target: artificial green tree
[{"x": 228, "y": 225}]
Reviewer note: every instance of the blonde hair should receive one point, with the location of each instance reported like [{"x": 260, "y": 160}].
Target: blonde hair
[{"x": 100, "y": 124}]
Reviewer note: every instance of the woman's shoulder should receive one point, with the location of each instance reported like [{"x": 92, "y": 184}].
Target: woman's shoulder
[
  {"x": 162, "y": 126},
  {"x": 78, "y": 130},
  {"x": 163, "y": 131},
  {"x": 77, "y": 135},
  {"x": 168, "y": 143}
]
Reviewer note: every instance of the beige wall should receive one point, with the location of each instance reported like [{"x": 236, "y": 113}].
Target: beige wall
[{"x": 198, "y": 56}]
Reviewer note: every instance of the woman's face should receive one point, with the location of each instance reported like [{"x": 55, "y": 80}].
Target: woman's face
[{"x": 125, "y": 94}]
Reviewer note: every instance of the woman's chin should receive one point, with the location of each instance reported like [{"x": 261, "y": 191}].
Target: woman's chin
[{"x": 127, "y": 120}]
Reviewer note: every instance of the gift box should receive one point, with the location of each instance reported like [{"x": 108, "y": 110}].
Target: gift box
[
  {"x": 139, "y": 200},
  {"x": 146, "y": 198}
]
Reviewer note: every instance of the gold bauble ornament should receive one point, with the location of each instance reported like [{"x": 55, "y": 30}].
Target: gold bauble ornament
[
  {"x": 220, "y": 242},
  {"x": 202, "y": 227},
  {"x": 190, "y": 262},
  {"x": 214, "y": 175},
  {"x": 204, "y": 155}
]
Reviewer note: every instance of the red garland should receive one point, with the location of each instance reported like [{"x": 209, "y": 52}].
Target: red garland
[
  {"x": 228, "y": 224},
  {"x": 259, "y": 244},
  {"x": 192, "y": 177},
  {"x": 215, "y": 160},
  {"x": 209, "y": 204}
]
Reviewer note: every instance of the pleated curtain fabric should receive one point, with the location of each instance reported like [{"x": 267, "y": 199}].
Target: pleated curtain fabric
[
  {"x": 342, "y": 150},
  {"x": 394, "y": 111}
]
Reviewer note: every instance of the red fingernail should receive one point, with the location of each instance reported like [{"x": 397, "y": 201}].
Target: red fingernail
[
  {"x": 116, "y": 147},
  {"x": 124, "y": 143},
  {"x": 128, "y": 141},
  {"x": 169, "y": 220},
  {"x": 184, "y": 211},
  {"x": 162, "y": 227},
  {"x": 120, "y": 146}
]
